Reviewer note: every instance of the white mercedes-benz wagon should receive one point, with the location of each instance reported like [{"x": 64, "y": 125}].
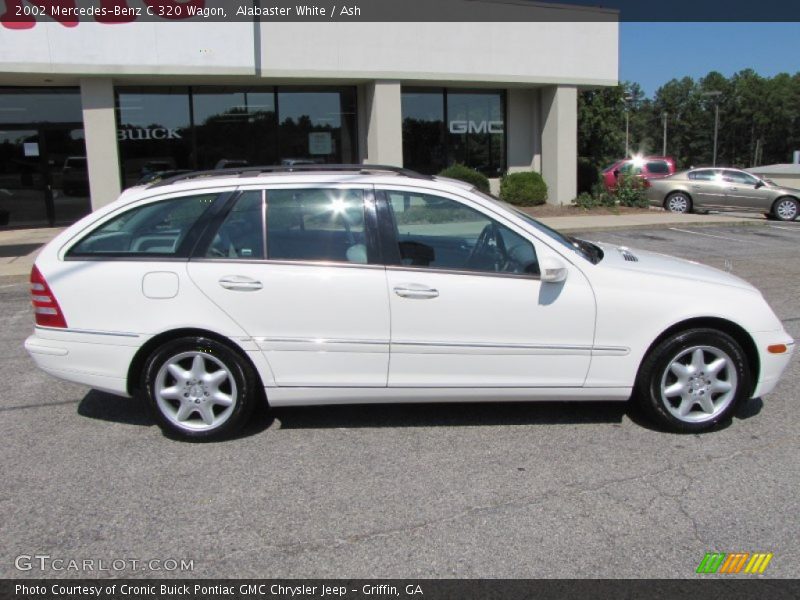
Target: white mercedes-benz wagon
[{"x": 211, "y": 292}]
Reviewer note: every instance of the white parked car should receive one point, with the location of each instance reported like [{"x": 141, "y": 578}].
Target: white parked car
[{"x": 209, "y": 293}]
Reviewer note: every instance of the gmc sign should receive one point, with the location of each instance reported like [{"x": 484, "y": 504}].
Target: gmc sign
[{"x": 476, "y": 127}]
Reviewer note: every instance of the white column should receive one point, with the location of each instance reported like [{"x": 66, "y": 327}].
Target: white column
[
  {"x": 384, "y": 123},
  {"x": 100, "y": 131},
  {"x": 523, "y": 133},
  {"x": 560, "y": 143}
]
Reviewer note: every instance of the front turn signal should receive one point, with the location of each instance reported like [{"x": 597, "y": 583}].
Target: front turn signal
[{"x": 777, "y": 348}]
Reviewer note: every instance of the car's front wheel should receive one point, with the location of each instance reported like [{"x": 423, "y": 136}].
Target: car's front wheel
[
  {"x": 199, "y": 389},
  {"x": 678, "y": 202},
  {"x": 786, "y": 209},
  {"x": 693, "y": 380}
]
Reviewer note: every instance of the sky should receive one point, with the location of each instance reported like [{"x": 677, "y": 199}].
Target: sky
[{"x": 653, "y": 53}]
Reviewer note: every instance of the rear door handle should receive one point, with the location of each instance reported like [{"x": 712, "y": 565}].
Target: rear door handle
[
  {"x": 240, "y": 283},
  {"x": 416, "y": 291}
]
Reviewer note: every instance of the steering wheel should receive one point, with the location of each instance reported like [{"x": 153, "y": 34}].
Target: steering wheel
[{"x": 490, "y": 245}]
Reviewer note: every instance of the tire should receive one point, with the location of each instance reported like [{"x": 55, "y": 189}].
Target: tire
[
  {"x": 786, "y": 209},
  {"x": 679, "y": 392},
  {"x": 199, "y": 389},
  {"x": 678, "y": 202}
]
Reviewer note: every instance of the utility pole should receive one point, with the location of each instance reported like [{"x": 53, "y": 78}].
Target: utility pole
[
  {"x": 715, "y": 94},
  {"x": 664, "y": 149}
]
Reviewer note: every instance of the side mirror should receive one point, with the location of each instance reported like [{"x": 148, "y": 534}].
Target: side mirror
[
  {"x": 760, "y": 184},
  {"x": 553, "y": 270},
  {"x": 616, "y": 172}
]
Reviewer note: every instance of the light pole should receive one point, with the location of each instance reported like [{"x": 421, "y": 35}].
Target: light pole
[
  {"x": 715, "y": 94},
  {"x": 664, "y": 149},
  {"x": 626, "y": 99}
]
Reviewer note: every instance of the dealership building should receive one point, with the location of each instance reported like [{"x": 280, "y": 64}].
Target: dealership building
[{"x": 89, "y": 109}]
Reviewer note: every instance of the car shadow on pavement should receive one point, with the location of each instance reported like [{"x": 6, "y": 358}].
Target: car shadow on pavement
[
  {"x": 133, "y": 411},
  {"x": 107, "y": 407},
  {"x": 449, "y": 414}
]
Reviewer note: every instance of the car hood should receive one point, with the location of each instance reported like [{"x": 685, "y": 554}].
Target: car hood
[{"x": 653, "y": 263}]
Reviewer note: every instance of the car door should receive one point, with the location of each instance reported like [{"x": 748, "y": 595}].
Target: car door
[
  {"x": 308, "y": 292},
  {"x": 744, "y": 192},
  {"x": 707, "y": 188},
  {"x": 468, "y": 308}
]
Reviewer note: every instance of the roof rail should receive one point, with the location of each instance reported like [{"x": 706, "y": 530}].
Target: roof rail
[{"x": 250, "y": 171}]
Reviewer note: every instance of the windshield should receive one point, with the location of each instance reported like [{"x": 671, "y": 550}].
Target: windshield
[{"x": 582, "y": 248}]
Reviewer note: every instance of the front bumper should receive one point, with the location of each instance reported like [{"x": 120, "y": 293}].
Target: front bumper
[{"x": 772, "y": 365}]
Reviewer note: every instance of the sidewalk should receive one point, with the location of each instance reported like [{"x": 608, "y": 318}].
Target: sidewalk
[{"x": 18, "y": 248}]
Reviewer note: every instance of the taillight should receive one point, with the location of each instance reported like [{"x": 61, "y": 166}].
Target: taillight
[{"x": 45, "y": 306}]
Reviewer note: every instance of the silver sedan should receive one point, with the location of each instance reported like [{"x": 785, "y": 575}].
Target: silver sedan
[{"x": 723, "y": 189}]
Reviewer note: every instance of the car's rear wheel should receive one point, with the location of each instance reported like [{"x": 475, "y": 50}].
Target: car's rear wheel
[
  {"x": 786, "y": 209},
  {"x": 199, "y": 389},
  {"x": 678, "y": 202},
  {"x": 693, "y": 380}
]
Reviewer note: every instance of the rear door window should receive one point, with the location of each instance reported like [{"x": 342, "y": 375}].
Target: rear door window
[
  {"x": 241, "y": 234},
  {"x": 658, "y": 167},
  {"x": 154, "y": 229},
  {"x": 316, "y": 224}
]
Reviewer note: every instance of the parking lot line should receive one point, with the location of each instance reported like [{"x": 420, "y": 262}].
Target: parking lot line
[
  {"x": 719, "y": 237},
  {"x": 790, "y": 228}
]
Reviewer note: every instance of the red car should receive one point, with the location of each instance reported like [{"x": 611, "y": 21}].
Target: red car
[{"x": 646, "y": 167}]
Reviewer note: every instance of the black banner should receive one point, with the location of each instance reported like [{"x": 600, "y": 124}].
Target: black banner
[
  {"x": 732, "y": 588},
  {"x": 21, "y": 14}
]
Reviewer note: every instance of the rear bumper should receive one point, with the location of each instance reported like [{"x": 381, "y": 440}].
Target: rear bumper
[
  {"x": 772, "y": 365},
  {"x": 97, "y": 360}
]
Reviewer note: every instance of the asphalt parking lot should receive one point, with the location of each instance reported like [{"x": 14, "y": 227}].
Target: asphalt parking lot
[{"x": 495, "y": 491}]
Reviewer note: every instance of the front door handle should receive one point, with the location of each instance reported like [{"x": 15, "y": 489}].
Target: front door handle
[
  {"x": 240, "y": 283},
  {"x": 416, "y": 291}
]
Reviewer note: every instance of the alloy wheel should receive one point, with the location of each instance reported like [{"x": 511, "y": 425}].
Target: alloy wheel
[
  {"x": 698, "y": 384},
  {"x": 786, "y": 210},
  {"x": 195, "y": 391},
  {"x": 678, "y": 203}
]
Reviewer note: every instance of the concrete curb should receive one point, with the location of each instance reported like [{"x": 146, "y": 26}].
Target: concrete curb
[{"x": 629, "y": 227}]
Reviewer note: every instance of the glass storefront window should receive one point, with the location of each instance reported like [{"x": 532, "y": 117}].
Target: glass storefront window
[
  {"x": 40, "y": 105},
  {"x": 316, "y": 126},
  {"x": 442, "y": 127},
  {"x": 234, "y": 126},
  {"x": 423, "y": 131},
  {"x": 153, "y": 131},
  {"x": 476, "y": 131},
  {"x": 43, "y": 175},
  {"x": 209, "y": 127}
]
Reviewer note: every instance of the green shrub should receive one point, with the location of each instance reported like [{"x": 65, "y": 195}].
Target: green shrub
[
  {"x": 523, "y": 189},
  {"x": 604, "y": 197},
  {"x": 464, "y": 173},
  {"x": 631, "y": 192},
  {"x": 586, "y": 201},
  {"x": 588, "y": 175}
]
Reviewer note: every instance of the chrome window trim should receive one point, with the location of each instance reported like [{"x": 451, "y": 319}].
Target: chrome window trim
[
  {"x": 432, "y": 271},
  {"x": 286, "y": 262}
]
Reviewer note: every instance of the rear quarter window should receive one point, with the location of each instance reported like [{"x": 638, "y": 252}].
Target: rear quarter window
[{"x": 154, "y": 229}]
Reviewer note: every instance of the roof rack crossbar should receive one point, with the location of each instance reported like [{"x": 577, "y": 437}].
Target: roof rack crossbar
[{"x": 250, "y": 171}]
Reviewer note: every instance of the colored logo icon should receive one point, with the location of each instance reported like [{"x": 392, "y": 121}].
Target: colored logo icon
[{"x": 734, "y": 562}]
